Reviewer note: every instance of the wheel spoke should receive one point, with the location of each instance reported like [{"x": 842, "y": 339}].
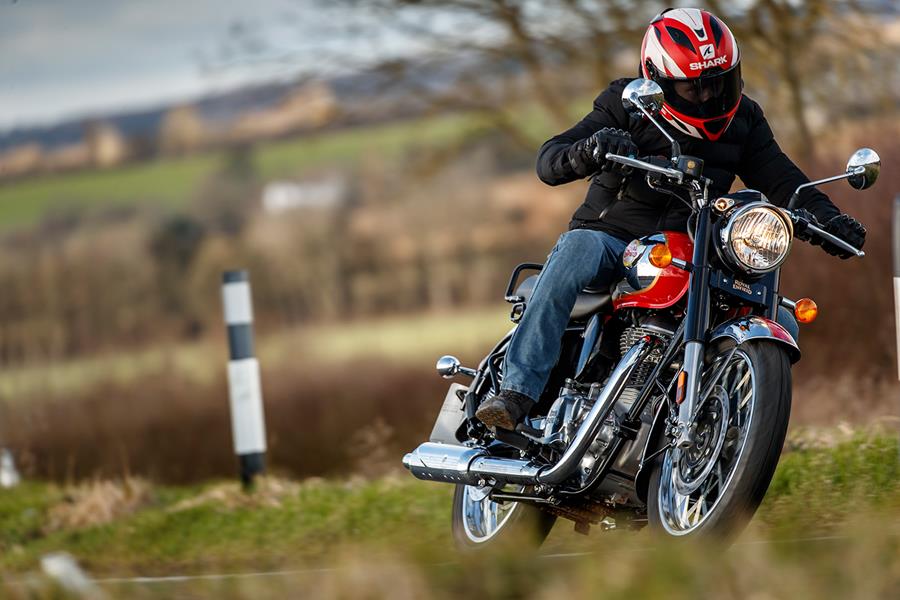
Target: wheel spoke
[
  {"x": 745, "y": 378},
  {"x": 733, "y": 370},
  {"x": 680, "y": 513},
  {"x": 746, "y": 399},
  {"x": 695, "y": 511},
  {"x": 683, "y": 512},
  {"x": 482, "y": 517}
]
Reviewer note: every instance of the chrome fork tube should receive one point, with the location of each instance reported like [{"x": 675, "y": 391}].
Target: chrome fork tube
[
  {"x": 594, "y": 420},
  {"x": 696, "y": 322},
  {"x": 693, "y": 362}
]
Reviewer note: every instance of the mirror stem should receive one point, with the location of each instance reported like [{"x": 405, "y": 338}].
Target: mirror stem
[
  {"x": 796, "y": 196},
  {"x": 676, "y": 149}
]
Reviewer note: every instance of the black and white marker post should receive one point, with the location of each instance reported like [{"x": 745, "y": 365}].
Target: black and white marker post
[
  {"x": 248, "y": 427},
  {"x": 895, "y": 234}
]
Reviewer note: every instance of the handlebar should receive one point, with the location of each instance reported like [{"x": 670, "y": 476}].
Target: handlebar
[
  {"x": 640, "y": 164},
  {"x": 829, "y": 237},
  {"x": 679, "y": 177}
]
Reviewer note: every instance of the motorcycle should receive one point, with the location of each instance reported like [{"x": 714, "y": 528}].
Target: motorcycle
[{"x": 670, "y": 401}]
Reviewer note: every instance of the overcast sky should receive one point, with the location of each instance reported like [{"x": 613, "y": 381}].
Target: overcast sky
[
  {"x": 61, "y": 59},
  {"x": 65, "y": 58}
]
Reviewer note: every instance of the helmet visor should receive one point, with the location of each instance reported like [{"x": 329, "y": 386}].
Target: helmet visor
[{"x": 709, "y": 96}]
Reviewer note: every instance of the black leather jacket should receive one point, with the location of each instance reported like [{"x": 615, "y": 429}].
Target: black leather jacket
[{"x": 746, "y": 149}]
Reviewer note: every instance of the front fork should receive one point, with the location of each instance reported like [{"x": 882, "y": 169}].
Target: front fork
[{"x": 696, "y": 325}]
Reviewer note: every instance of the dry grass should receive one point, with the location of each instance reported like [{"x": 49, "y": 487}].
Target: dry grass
[
  {"x": 833, "y": 399},
  {"x": 268, "y": 492},
  {"x": 370, "y": 450},
  {"x": 98, "y": 502},
  {"x": 319, "y": 422}
]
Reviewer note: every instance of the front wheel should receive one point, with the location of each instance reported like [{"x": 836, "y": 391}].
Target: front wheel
[
  {"x": 715, "y": 487},
  {"x": 479, "y": 522}
]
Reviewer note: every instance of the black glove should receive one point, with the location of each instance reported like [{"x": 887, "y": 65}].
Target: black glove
[
  {"x": 848, "y": 229},
  {"x": 802, "y": 218},
  {"x": 588, "y": 156}
]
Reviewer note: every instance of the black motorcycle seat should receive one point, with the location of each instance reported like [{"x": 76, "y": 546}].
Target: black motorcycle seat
[{"x": 587, "y": 303}]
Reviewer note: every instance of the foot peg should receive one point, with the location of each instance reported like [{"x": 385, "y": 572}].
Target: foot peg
[{"x": 528, "y": 430}]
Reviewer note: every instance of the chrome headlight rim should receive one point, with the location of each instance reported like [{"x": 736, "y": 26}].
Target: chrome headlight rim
[{"x": 726, "y": 237}]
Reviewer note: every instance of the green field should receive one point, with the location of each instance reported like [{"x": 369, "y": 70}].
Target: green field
[
  {"x": 172, "y": 182},
  {"x": 827, "y": 527}
]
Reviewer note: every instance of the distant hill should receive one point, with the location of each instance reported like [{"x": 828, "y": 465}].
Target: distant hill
[
  {"x": 145, "y": 123},
  {"x": 383, "y": 93}
]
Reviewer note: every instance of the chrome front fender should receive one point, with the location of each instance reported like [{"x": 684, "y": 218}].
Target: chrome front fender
[{"x": 754, "y": 327}]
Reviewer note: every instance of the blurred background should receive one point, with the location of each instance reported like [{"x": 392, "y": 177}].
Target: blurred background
[{"x": 371, "y": 163}]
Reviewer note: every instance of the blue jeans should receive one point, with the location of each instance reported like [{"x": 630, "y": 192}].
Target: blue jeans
[{"x": 581, "y": 258}]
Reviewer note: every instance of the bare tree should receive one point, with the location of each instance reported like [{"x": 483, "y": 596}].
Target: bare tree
[
  {"x": 507, "y": 58},
  {"x": 804, "y": 55},
  {"x": 518, "y": 52}
]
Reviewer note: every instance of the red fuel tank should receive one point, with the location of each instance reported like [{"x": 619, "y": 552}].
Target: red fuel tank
[{"x": 647, "y": 286}]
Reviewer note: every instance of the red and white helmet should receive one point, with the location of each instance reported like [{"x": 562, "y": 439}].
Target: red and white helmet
[{"x": 694, "y": 57}]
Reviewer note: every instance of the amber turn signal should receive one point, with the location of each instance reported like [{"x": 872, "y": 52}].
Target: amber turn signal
[
  {"x": 660, "y": 256},
  {"x": 806, "y": 310}
]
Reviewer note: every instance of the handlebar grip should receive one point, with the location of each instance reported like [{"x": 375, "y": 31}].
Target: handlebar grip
[{"x": 834, "y": 240}]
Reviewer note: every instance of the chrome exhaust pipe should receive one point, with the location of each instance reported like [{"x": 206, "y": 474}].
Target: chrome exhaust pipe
[
  {"x": 474, "y": 466},
  {"x": 470, "y": 466},
  {"x": 592, "y": 423}
]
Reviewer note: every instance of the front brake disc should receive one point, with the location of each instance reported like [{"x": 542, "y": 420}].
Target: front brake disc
[{"x": 691, "y": 466}]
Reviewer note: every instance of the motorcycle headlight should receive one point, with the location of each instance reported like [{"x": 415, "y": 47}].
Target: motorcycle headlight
[{"x": 758, "y": 238}]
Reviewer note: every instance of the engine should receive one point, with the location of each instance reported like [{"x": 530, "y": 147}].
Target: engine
[
  {"x": 630, "y": 336},
  {"x": 576, "y": 400}
]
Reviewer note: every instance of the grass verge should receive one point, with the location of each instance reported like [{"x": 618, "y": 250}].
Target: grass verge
[{"x": 284, "y": 524}]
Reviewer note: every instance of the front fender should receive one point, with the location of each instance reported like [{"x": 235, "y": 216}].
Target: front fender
[{"x": 754, "y": 327}]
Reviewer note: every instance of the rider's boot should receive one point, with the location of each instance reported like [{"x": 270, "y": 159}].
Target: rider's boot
[{"x": 505, "y": 410}]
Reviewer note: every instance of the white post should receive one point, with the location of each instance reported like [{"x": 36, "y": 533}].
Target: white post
[
  {"x": 248, "y": 425},
  {"x": 9, "y": 475},
  {"x": 896, "y": 244}
]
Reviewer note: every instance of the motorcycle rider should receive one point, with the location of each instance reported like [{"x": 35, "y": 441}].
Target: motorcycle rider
[{"x": 695, "y": 59}]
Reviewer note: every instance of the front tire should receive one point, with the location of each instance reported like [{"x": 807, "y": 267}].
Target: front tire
[
  {"x": 754, "y": 396},
  {"x": 479, "y": 523}
]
